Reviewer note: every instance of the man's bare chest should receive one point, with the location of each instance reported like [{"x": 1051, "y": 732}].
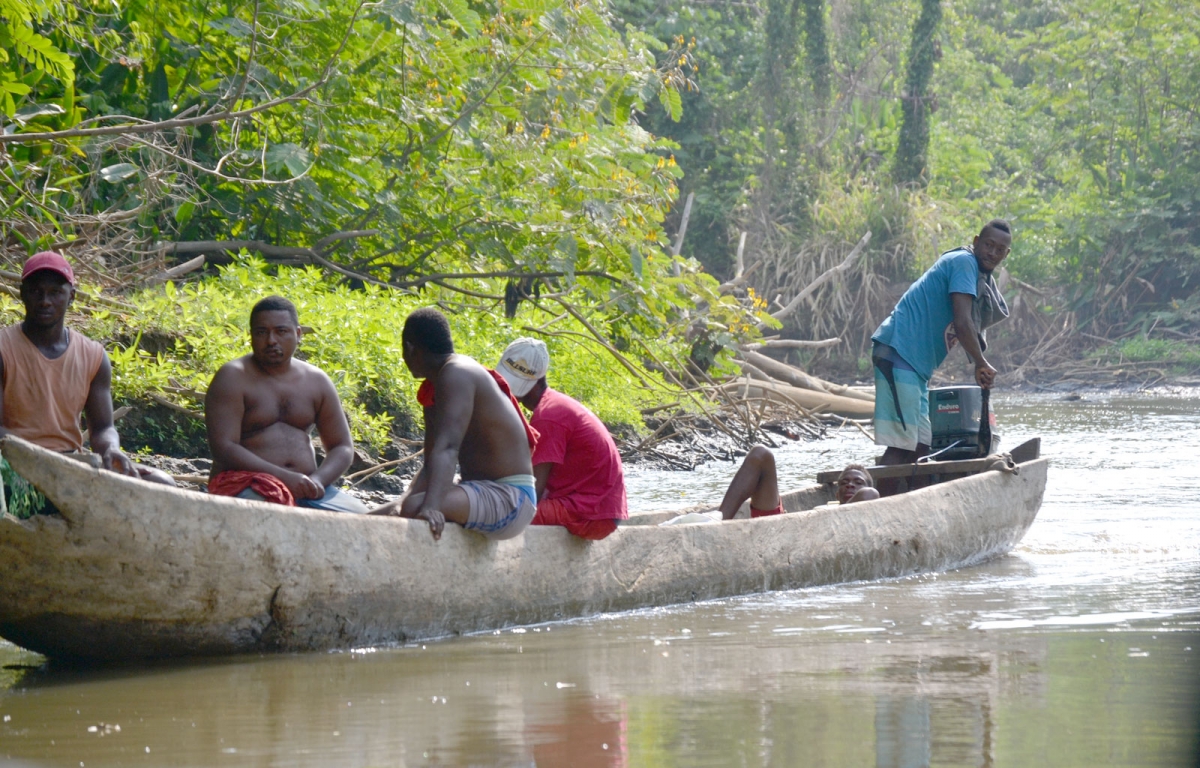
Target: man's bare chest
[{"x": 279, "y": 403}]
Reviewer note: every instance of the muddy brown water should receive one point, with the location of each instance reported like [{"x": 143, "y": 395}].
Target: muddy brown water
[{"x": 1079, "y": 649}]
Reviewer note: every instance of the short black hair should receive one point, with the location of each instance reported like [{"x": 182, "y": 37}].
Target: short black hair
[
  {"x": 429, "y": 330},
  {"x": 860, "y": 468},
  {"x": 275, "y": 304},
  {"x": 999, "y": 224}
]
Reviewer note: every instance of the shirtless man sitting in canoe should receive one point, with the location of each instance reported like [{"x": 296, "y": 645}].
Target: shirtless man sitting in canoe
[
  {"x": 259, "y": 409},
  {"x": 48, "y": 374},
  {"x": 756, "y": 480},
  {"x": 472, "y": 421}
]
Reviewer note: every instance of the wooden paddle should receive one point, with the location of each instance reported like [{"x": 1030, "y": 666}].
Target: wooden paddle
[{"x": 985, "y": 423}]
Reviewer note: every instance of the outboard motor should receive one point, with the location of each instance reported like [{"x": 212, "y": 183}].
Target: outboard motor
[{"x": 954, "y": 414}]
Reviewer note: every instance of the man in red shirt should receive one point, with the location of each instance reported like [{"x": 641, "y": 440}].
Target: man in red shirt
[{"x": 576, "y": 466}]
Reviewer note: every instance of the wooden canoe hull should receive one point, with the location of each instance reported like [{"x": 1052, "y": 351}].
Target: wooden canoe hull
[{"x": 134, "y": 570}]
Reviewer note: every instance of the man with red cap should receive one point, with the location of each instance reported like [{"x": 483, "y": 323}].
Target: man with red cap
[
  {"x": 576, "y": 466},
  {"x": 48, "y": 374}
]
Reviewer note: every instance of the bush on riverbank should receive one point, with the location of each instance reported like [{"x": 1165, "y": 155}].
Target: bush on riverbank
[
  {"x": 1178, "y": 358},
  {"x": 167, "y": 342}
]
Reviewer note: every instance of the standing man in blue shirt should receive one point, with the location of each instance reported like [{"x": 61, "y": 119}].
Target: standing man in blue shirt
[{"x": 953, "y": 302}]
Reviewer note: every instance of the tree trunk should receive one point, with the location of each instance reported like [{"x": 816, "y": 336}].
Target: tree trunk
[
  {"x": 816, "y": 50},
  {"x": 911, "y": 165}
]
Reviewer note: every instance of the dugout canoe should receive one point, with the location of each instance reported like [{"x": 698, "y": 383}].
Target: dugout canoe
[{"x": 132, "y": 570}]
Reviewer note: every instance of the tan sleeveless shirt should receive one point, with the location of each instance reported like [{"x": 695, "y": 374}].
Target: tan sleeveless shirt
[{"x": 43, "y": 398}]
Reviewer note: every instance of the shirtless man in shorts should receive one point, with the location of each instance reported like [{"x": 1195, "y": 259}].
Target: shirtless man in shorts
[
  {"x": 259, "y": 409},
  {"x": 472, "y": 422}
]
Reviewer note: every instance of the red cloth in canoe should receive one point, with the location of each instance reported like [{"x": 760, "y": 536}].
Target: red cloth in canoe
[
  {"x": 232, "y": 482},
  {"x": 425, "y": 398}
]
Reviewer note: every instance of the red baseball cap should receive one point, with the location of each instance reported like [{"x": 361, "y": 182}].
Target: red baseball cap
[{"x": 51, "y": 261}]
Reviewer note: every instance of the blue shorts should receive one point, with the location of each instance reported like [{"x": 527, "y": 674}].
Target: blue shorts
[
  {"x": 500, "y": 509},
  {"x": 901, "y": 402},
  {"x": 334, "y": 500}
]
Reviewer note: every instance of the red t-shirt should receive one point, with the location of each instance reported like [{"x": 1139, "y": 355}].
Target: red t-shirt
[{"x": 587, "y": 475}]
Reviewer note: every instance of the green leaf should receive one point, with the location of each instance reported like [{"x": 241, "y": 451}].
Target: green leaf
[
  {"x": 635, "y": 260},
  {"x": 672, "y": 102},
  {"x": 233, "y": 26},
  {"x": 119, "y": 172},
  {"x": 290, "y": 157},
  {"x": 458, "y": 10},
  {"x": 183, "y": 214},
  {"x": 25, "y": 114}
]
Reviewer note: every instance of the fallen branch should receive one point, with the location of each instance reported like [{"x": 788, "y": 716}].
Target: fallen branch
[
  {"x": 683, "y": 224},
  {"x": 803, "y": 398},
  {"x": 825, "y": 277},
  {"x": 798, "y": 378},
  {"x": 358, "y": 477},
  {"x": 178, "y": 271},
  {"x": 739, "y": 281},
  {"x": 174, "y": 406},
  {"x": 791, "y": 344}
]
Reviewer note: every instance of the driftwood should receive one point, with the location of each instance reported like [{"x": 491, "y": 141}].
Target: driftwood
[
  {"x": 792, "y": 344},
  {"x": 798, "y": 378},
  {"x": 804, "y": 398}
]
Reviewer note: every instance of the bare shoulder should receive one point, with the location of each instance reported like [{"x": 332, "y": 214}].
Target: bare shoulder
[
  {"x": 313, "y": 378},
  {"x": 232, "y": 375},
  {"x": 461, "y": 369}
]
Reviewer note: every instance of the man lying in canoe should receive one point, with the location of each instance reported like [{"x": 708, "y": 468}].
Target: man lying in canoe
[
  {"x": 472, "y": 421},
  {"x": 48, "y": 374},
  {"x": 259, "y": 409},
  {"x": 855, "y": 484},
  {"x": 756, "y": 480},
  {"x": 580, "y": 481}
]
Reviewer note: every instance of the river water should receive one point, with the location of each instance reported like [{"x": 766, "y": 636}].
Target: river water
[{"x": 1080, "y": 648}]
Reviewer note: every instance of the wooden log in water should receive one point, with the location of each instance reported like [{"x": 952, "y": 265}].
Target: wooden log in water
[
  {"x": 789, "y": 374},
  {"x": 805, "y": 398}
]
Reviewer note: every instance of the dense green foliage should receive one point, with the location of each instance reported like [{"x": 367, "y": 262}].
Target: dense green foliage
[
  {"x": 172, "y": 341},
  {"x": 414, "y": 150},
  {"x": 21, "y": 499},
  {"x": 409, "y": 142},
  {"x": 1077, "y": 120},
  {"x": 521, "y": 159},
  {"x": 1176, "y": 357}
]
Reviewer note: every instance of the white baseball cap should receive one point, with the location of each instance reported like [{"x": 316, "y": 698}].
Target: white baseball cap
[{"x": 524, "y": 362}]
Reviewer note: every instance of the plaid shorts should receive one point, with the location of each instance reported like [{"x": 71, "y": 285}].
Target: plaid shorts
[{"x": 901, "y": 402}]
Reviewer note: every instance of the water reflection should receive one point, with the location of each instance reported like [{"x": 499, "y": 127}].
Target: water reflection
[{"x": 638, "y": 690}]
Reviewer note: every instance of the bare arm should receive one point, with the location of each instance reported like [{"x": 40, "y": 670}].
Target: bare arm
[
  {"x": 541, "y": 476},
  {"x": 420, "y": 481},
  {"x": 454, "y": 396},
  {"x": 101, "y": 433},
  {"x": 334, "y": 432},
  {"x": 985, "y": 374},
  {"x": 224, "y": 408}
]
